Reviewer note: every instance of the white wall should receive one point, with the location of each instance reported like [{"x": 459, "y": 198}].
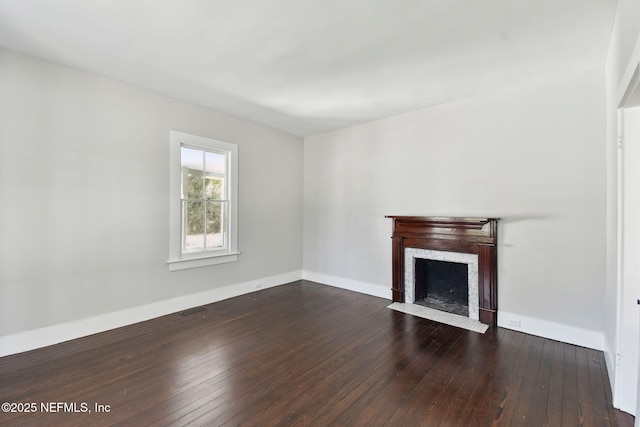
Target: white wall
[
  {"x": 533, "y": 156},
  {"x": 84, "y": 202}
]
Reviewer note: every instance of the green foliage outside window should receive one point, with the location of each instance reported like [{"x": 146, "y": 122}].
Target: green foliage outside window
[{"x": 210, "y": 189}]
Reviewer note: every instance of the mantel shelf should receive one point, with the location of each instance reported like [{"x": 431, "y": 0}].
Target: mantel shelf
[{"x": 446, "y": 222}]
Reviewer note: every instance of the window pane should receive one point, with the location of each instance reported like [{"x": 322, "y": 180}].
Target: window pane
[
  {"x": 214, "y": 188},
  {"x": 191, "y": 158},
  {"x": 194, "y": 225},
  {"x": 194, "y": 187},
  {"x": 215, "y": 169},
  {"x": 192, "y": 165},
  {"x": 216, "y": 164},
  {"x": 216, "y": 215}
]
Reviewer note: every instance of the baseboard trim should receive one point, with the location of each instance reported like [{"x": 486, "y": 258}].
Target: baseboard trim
[
  {"x": 552, "y": 330},
  {"x": 43, "y": 337},
  {"x": 528, "y": 325},
  {"x": 349, "y": 284},
  {"x": 50, "y": 335}
]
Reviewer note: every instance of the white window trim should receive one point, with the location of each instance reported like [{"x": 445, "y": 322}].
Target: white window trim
[{"x": 182, "y": 261}]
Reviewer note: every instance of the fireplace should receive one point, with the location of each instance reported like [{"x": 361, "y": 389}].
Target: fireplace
[
  {"x": 454, "y": 257},
  {"x": 447, "y": 273},
  {"x": 442, "y": 285}
]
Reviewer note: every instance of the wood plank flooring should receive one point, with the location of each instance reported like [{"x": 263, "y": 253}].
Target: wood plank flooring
[{"x": 305, "y": 354}]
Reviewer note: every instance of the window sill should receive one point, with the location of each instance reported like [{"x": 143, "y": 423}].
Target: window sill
[{"x": 201, "y": 261}]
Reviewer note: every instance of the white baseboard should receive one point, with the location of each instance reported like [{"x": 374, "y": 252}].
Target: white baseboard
[
  {"x": 349, "y": 284},
  {"x": 551, "y": 330},
  {"x": 37, "y": 338},
  {"x": 29, "y": 340},
  {"x": 528, "y": 325}
]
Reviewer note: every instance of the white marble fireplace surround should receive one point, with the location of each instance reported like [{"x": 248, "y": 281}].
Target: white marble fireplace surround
[{"x": 410, "y": 255}]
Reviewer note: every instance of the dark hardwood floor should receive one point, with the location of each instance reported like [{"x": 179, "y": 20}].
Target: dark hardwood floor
[{"x": 308, "y": 355}]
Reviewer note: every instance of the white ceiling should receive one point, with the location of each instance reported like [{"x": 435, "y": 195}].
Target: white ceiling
[{"x": 311, "y": 66}]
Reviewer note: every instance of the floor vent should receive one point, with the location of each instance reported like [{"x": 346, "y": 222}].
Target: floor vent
[{"x": 191, "y": 311}]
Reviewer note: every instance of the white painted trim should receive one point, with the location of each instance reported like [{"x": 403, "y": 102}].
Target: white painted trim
[
  {"x": 349, "y": 284},
  {"x": 552, "y": 330},
  {"x": 202, "y": 261},
  {"x": 614, "y": 373},
  {"x": 29, "y": 340}
]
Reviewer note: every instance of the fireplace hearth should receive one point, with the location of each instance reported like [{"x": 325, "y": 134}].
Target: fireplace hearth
[{"x": 444, "y": 250}]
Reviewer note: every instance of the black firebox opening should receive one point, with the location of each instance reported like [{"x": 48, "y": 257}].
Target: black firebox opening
[{"x": 442, "y": 285}]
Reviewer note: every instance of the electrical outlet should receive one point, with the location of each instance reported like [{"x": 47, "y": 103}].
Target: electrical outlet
[
  {"x": 259, "y": 285},
  {"x": 514, "y": 323}
]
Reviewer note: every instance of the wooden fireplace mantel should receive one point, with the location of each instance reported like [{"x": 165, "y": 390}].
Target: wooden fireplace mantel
[{"x": 468, "y": 235}]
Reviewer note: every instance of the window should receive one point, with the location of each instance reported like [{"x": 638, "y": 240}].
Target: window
[{"x": 203, "y": 212}]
